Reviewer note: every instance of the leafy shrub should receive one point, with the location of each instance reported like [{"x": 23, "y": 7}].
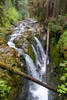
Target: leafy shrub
[
  {"x": 62, "y": 87},
  {"x": 63, "y": 39},
  {"x": 4, "y": 89},
  {"x": 63, "y": 45},
  {"x": 13, "y": 15},
  {"x": 54, "y": 28},
  {"x": 3, "y": 17}
]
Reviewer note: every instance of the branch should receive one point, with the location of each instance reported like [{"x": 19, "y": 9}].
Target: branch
[{"x": 18, "y": 72}]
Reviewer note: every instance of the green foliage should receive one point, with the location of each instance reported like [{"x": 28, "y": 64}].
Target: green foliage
[
  {"x": 8, "y": 14},
  {"x": 4, "y": 89},
  {"x": 54, "y": 28},
  {"x": 63, "y": 39},
  {"x": 3, "y": 17},
  {"x": 58, "y": 53},
  {"x": 55, "y": 31},
  {"x": 63, "y": 45},
  {"x": 62, "y": 88},
  {"x": 13, "y": 15},
  {"x": 31, "y": 53},
  {"x": 21, "y": 6},
  {"x": 11, "y": 11},
  {"x": 40, "y": 18},
  {"x": 54, "y": 53}
]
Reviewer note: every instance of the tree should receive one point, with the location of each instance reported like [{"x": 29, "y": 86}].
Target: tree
[{"x": 56, "y": 10}]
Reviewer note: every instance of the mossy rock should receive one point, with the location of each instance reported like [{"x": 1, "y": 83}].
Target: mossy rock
[
  {"x": 17, "y": 42},
  {"x": 31, "y": 53},
  {"x": 10, "y": 57}
]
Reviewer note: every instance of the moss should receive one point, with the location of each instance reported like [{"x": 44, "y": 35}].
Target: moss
[
  {"x": 54, "y": 53},
  {"x": 30, "y": 38},
  {"x": 25, "y": 42},
  {"x": 10, "y": 57},
  {"x": 31, "y": 53},
  {"x": 18, "y": 44}
]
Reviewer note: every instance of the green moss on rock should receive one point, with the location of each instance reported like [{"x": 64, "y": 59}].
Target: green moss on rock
[
  {"x": 9, "y": 80},
  {"x": 31, "y": 53}
]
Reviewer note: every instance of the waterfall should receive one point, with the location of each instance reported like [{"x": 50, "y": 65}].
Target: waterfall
[
  {"x": 36, "y": 57},
  {"x": 31, "y": 66},
  {"x": 36, "y": 70},
  {"x": 40, "y": 48},
  {"x": 41, "y": 55}
]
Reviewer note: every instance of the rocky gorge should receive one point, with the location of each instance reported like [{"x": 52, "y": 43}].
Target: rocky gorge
[{"x": 23, "y": 40}]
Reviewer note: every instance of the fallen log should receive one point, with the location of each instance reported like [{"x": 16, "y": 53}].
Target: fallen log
[{"x": 18, "y": 72}]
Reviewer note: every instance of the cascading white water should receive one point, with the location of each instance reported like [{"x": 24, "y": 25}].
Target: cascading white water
[
  {"x": 35, "y": 70},
  {"x": 17, "y": 32},
  {"x": 31, "y": 70},
  {"x": 36, "y": 57},
  {"x": 40, "y": 49},
  {"x": 41, "y": 55},
  {"x": 38, "y": 92}
]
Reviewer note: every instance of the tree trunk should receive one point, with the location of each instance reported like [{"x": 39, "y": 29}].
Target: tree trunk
[
  {"x": 57, "y": 10},
  {"x": 47, "y": 49},
  {"x": 18, "y": 72}
]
